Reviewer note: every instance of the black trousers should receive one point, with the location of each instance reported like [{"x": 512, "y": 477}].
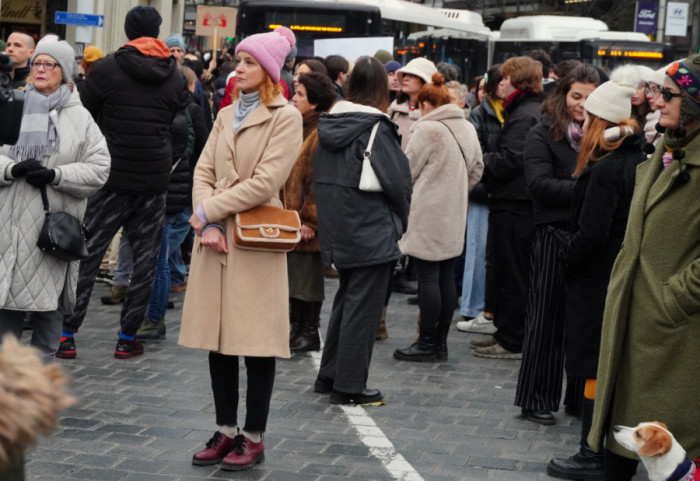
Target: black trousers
[
  {"x": 511, "y": 235},
  {"x": 541, "y": 372},
  {"x": 619, "y": 468},
  {"x": 357, "y": 309},
  {"x": 142, "y": 217},
  {"x": 224, "y": 382},
  {"x": 437, "y": 297}
]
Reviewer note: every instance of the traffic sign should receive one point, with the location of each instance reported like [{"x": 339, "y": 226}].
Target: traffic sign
[{"x": 82, "y": 19}]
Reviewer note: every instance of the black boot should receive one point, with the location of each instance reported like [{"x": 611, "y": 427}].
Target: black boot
[
  {"x": 422, "y": 350},
  {"x": 308, "y": 339},
  {"x": 441, "y": 340},
  {"x": 586, "y": 464},
  {"x": 294, "y": 320}
]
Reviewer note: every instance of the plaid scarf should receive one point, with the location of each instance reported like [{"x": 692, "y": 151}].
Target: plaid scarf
[{"x": 38, "y": 134}]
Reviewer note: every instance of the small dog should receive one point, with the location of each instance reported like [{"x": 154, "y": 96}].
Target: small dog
[
  {"x": 663, "y": 457},
  {"x": 31, "y": 395}
]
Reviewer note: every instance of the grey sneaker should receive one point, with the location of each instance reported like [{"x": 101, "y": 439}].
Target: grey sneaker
[
  {"x": 151, "y": 331},
  {"x": 486, "y": 342},
  {"x": 497, "y": 352}
]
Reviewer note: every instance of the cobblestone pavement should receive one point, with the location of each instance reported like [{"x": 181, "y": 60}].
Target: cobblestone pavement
[{"x": 141, "y": 419}]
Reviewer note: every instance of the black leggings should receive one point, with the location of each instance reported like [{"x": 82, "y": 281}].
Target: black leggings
[
  {"x": 619, "y": 468},
  {"x": 437, "y": 294},
  {"x": 224, "y": 382}
]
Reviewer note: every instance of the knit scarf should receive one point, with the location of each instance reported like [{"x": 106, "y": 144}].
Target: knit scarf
[
  {"x": 245, "y": 106},
  {"x": 672, "y": 143},
  {"x": 38, "y": 132},
  {"x": 574, "y": 135},
  {"x": 498, "y": 108}
]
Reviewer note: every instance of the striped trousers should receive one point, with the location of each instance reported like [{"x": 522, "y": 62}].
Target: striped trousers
[
  {"x": 141, "y": 217},
  {"x": 541, "y": 372}
]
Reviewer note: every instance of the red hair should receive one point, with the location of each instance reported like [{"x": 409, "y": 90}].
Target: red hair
[{"x": 435, "y": 93}]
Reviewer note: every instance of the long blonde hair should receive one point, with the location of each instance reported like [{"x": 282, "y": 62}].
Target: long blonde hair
[{"x": 595, "y": 146}]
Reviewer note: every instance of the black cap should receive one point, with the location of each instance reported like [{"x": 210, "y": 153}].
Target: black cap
[{"x": 142, "y": 21}]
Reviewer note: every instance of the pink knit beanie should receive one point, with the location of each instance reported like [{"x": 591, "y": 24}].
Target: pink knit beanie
[{"x": 269, "y": 49}]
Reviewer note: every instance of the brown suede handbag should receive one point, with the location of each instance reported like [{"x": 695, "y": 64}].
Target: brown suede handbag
[{"x": 267, "y": 228}]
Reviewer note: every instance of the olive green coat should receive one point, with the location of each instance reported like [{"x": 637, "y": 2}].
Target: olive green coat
[{"x": 649, "y": 367}]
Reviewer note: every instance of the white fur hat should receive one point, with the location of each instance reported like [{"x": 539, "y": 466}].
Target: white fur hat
[
  {"x": 612, "y": 100},
  {"x": 420, "y": 67}
]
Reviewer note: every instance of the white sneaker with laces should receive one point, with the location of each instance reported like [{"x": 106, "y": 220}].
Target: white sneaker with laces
[{"x": 479, "y": 324}]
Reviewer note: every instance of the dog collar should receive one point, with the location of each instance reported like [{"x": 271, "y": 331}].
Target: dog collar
[{"x": 684, "y": 472}]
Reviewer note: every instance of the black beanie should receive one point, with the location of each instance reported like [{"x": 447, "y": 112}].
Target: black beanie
[{"x": 142, "y": 21}]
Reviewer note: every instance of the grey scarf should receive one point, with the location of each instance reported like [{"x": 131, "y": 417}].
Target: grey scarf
[
  {"x": 246, "y": 104},
  {"x": 38, "y": 133}
]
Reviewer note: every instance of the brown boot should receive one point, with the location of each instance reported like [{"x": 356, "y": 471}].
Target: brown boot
[
  {"x": 308, "y": 339},
  {"x": 382, "y": 333},
  {"x": 116, "y": 295}
]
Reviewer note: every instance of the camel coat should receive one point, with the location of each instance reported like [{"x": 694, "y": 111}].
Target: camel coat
[
  {"x": 445, "y": 158},
  {"x": 649, "y": 360},
  {"x": 237, "y": 303}
]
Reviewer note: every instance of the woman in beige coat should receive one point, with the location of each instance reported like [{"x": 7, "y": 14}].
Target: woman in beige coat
[
  {"x": 445, "y": 157},
  {"x": 237, "y": 300}
]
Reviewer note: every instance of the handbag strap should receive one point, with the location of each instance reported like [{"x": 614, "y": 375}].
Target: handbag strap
[
  {"x": 368, "y": 150},
  {"x": 45, "y": 200},
  {"x": 458, "y": 145}
]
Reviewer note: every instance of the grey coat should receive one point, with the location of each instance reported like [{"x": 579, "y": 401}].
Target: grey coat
[{"x": 29, "y": 279}]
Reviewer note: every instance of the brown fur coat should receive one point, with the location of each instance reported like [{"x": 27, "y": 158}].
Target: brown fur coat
[{"x": 299, "y": 189}]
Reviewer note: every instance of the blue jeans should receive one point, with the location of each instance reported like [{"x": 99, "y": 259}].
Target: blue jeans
[
  {"x": 178, "y": 233},
  {"x": 175, "y": 230},
  {"x": 473, "y": 283}
]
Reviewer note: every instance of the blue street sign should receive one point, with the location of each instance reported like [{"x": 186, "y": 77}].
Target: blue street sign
[{"x": 82, "y": 19}]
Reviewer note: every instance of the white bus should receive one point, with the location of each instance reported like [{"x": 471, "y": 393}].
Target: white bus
[
  {"x": 579, "y": 38},
  {"x": 454, "y": 36}
]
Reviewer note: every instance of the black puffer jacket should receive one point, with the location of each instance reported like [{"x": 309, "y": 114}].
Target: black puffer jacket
[
  {"x": 358, "y": 228},
  {"x": 548, "y": 168},
  {"x": 133, "y": 97},
  {"x": 504, "y": 174},
  {"x": 180, "y": 187},
  {"x": 488, "y": 129}
]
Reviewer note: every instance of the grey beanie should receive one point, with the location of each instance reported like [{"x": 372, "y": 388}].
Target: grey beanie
[{"x": 60, "y": 51}]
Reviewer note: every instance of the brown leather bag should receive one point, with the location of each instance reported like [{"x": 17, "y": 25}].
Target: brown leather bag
[{"x": 267, "y": 228}]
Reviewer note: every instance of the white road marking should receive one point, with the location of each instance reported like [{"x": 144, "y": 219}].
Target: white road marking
[{"x": 374, "y": 438}]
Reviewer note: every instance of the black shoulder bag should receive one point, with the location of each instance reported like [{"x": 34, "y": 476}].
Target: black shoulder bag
[{"x": 62, "y": 236}]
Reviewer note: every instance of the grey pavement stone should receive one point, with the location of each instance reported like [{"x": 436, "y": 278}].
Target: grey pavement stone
[{"x": 141, "y": 419}]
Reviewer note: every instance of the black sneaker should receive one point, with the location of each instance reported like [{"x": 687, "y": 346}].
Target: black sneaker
[
  {"x": 66, "y": 350},
  {"x": 127, "y": 349}
]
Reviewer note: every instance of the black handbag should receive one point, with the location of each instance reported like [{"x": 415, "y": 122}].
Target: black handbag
[{"x": 62, "y": 236}]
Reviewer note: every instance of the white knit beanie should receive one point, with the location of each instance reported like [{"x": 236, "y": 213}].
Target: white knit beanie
[
  {"x": 612, "y": 101},
  {"x": 420, "y": 67}
]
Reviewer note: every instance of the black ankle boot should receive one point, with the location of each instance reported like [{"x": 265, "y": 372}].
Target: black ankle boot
[
  {"x": 308, "y": 339},
  {"x": 441, "y": 332},
  {"x": 295, "y": 320},
  {"x": 423, "y": 350},
  {"x": 586, "y": 464}
]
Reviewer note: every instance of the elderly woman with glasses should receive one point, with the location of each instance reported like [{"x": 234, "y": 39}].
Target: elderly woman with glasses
[
  {"x": 61, "y": 149},
  {"x": 649, "y": 356}
]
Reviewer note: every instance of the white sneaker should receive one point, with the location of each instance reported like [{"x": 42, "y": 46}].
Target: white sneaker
[{"x": 479, "y": 324}]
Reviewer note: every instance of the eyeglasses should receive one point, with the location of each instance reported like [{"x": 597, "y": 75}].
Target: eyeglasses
[
  {"x": 667, "y": 94},
  {"x": 652, "y": 91},
  {"x": 46, "y": 65}
]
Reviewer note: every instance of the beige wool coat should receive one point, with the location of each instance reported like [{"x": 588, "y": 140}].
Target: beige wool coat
[
  {"x": 404, "y": 118},
  {"x": 237, "y": 303},
  {"x": 446, "y": 162}
]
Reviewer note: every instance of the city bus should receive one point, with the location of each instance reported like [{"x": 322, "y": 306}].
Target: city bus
[
  {"x": 580, "y": 38},
  {"x": 463, "y": 38}
]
